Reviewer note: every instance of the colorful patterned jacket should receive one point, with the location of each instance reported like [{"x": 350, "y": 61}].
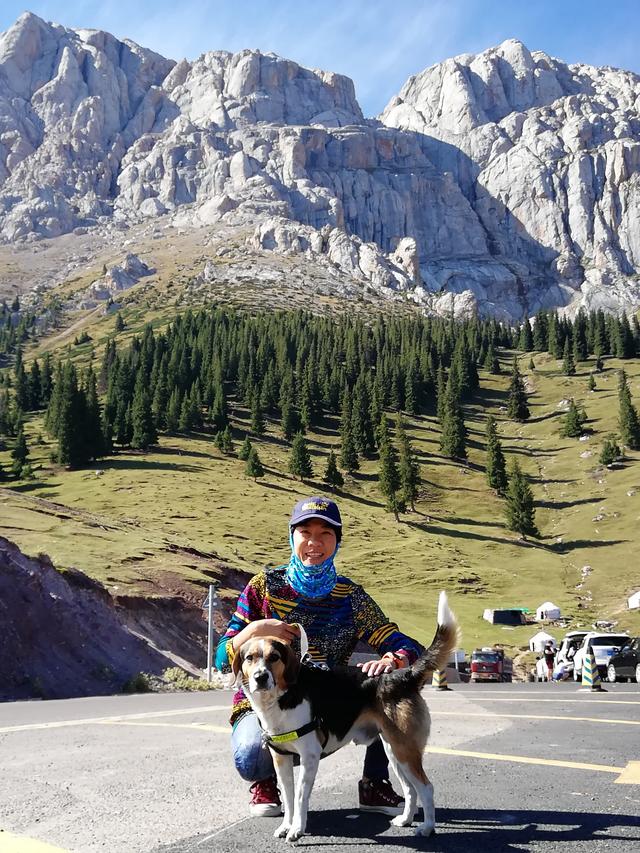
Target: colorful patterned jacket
[{"x": 334, "y": 624}]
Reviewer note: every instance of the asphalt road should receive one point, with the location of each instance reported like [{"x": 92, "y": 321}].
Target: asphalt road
[{"x": 533, "y": 767}]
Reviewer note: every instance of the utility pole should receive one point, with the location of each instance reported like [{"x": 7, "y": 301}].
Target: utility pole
[{"x": 208, "y": 605}]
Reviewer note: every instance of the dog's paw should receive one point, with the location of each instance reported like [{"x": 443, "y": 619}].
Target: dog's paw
[
  {"x": 295, "y": 833},
  {"x": 282, "y": 830},
  {"x": 401, "y": 820},
  {"x": 425, "y": 829}
]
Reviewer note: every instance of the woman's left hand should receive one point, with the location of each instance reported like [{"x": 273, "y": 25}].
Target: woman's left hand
[{"x": 374, "y": 668}]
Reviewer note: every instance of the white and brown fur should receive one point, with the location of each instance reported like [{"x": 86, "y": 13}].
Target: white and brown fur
[{"x": 351, "y": 707}]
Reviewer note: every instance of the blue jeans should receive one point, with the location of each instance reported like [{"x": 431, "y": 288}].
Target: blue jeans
[{"x": 253, "y": 760}]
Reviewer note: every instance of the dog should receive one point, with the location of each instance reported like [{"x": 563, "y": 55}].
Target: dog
[{"x": 311, "y": 712}]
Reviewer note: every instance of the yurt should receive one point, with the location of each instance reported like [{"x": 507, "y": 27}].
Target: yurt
[
  {"x": 548, "y": 610},
  {"x": 539, "y": 641}
]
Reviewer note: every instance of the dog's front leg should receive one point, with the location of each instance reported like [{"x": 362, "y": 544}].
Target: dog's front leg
[
  {"x": 309, "y": 760},
  {"x": 284, "y": 771}
]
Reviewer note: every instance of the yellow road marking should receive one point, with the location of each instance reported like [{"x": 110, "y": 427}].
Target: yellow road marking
[
  {"x": 10, "y": 843},
  {"x": 526, "y": 759},
  {"x": 630, "y": 775},
  {"x": 62, "y": 724},
  {"x": 535, "y": 717}
]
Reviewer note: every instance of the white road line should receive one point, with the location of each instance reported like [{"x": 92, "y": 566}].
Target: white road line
[
  {"x": 564, "y": 718},
  {"x": 589, "y": 700},
  {"x": 224, "y": 829},
  {"x": 63, "y": 724}
]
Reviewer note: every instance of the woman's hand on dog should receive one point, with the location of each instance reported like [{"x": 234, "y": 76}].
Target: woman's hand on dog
[
  {"x": 373, "y": 668},
  {"x": 267, "y": 628}
]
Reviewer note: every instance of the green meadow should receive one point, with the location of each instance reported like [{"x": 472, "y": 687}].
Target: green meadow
[{"x": 168, "y": 521}]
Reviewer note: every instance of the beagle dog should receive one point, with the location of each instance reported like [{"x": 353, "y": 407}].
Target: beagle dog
[{"x": 310, "y": 711}]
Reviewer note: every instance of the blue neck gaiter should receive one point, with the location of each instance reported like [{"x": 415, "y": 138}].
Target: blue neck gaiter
[{"x": 311, "y": 581}]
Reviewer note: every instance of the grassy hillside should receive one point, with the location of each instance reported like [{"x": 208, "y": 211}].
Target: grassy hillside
[{"x": 135, "y": 524}]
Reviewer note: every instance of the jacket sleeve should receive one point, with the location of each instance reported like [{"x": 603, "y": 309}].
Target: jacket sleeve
[
  {"x": 251, "y": 605},
  {"x": 375, "y": 629}
]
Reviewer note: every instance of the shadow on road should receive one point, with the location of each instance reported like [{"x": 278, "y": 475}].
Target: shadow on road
[{"x": 458, "y": 831}]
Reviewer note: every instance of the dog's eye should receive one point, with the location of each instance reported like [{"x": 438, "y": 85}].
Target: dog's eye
[
  {"x": 249, "y": 658},
  {"x": 273, "y": 657}
]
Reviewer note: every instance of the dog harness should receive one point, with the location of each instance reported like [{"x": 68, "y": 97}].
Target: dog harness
[{"x": 275, "y": 740}]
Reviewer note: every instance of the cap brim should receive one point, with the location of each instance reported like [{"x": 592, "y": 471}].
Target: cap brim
[{"x": 306, "y": 517}]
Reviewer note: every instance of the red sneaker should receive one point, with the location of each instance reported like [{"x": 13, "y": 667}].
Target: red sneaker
[
  {"x": 377, "y": 795},
  {"x": 265, "y": 799}
]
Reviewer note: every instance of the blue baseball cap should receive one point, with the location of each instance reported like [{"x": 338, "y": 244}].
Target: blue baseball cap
[{"x": 316, "y": 507}]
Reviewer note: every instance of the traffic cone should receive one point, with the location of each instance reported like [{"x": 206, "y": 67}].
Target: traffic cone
[
  {"x": 590, "y": 674},
  {"x": 439, "y": 680}
]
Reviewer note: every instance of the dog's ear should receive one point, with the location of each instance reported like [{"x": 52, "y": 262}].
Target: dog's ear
[
  {"x": 291, "y": 665},
  {"x": 236, "y": 666}
]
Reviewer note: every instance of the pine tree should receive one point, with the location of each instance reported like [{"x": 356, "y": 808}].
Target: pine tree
[
  {"x": 573, "y": 421},
  {"x": 388, "y": 472},
  {"x": 453, "y": 435},
  {"x": 289, "y": 422},
  {"x": 591, "y": 383},
  {"x": 532, "y": 364},
  {"x": 628, "y": 420},
  {"x": 491, "y": 361},
  {"x": 173, "y": 410},
  {"x": 94, "y": 439},
  {"x": 245, "y": 449},
  {"x": 332, "y": 476},
  {"x": 408, "y": 467},
  {"x": 300, "y": 459},
  {"x": 254, "y": 467},
  {"x": 348, "y": 452},
  {"x": 525, "y": 341},
  {"x": 119, "y": 324},
  {"x": 496, "y": 465},
  {"x": 520, "y": 510},
  {"x": 610, "y": 451},
  {"x": 19, "y": 454},
  {"x": 144, "y": 430},
  {"x": 441, "y": 393},
  {"x": 258, "y": 426},
  {"x": 227, "y": 441},
  {"x": 517, "y": 408},
  {"x": 69, "y": 430},
  {"x": 219, "y": 415},
  {"x": 568, "y": 363}
]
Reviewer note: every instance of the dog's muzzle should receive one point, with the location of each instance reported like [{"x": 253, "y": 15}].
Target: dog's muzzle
[{"x": 262, "y": 680}]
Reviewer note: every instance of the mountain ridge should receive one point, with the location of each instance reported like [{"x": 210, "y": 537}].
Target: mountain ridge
[{"x": 498, "y": 183}]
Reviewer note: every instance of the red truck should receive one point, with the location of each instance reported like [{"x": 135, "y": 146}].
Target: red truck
[{"x": 490, "y": 664}]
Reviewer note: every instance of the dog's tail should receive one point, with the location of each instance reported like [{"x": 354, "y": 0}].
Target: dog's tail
[{"x": 445, "y": 641}]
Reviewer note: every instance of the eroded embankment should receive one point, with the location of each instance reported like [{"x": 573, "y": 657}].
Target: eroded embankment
[{"x": 64, "y": 635}]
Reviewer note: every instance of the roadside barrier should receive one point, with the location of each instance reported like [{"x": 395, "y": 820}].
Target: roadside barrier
[
  {"x": 591, "y": 674},
  {"x": 439, "y": 680}
]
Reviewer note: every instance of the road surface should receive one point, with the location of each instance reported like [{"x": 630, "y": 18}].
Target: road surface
[{"x": 516, "y": 767}]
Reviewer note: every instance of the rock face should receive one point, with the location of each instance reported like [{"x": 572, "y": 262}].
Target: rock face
[
  {"x": 548, "y": 156},
  {"x": 500, "y": 183}
]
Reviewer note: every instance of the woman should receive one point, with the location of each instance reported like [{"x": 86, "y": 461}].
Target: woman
[{"x": 336, "y": 613}]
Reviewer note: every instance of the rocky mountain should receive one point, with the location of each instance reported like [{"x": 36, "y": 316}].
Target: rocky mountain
[{"x": 500, "y": 183}]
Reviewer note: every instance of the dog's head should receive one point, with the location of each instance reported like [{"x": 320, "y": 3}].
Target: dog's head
[{"x": 266, "y": 664}]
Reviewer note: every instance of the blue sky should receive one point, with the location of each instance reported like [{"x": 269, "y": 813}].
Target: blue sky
[{"x": 377, "y": 44}]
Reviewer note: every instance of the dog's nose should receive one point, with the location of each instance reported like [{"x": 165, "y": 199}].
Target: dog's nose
[{"x": 261, "y": 678}]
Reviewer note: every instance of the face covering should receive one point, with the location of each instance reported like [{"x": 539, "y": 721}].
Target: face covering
[{"x": 311, "y": 581}]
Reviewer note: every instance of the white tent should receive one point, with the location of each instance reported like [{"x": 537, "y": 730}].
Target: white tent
[
  {"x": 548, "y": 610},
  {"x": 539, "y": 641},
  {"x": 634, "y": 601}
]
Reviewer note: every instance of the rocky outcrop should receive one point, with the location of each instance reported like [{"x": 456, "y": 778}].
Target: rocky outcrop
[
  {"x": 61, "y": 635},
  {"x": 115, "y": 279},
  {"x": 548, "y": 156},
  {"x": 506, "y": 182}
]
